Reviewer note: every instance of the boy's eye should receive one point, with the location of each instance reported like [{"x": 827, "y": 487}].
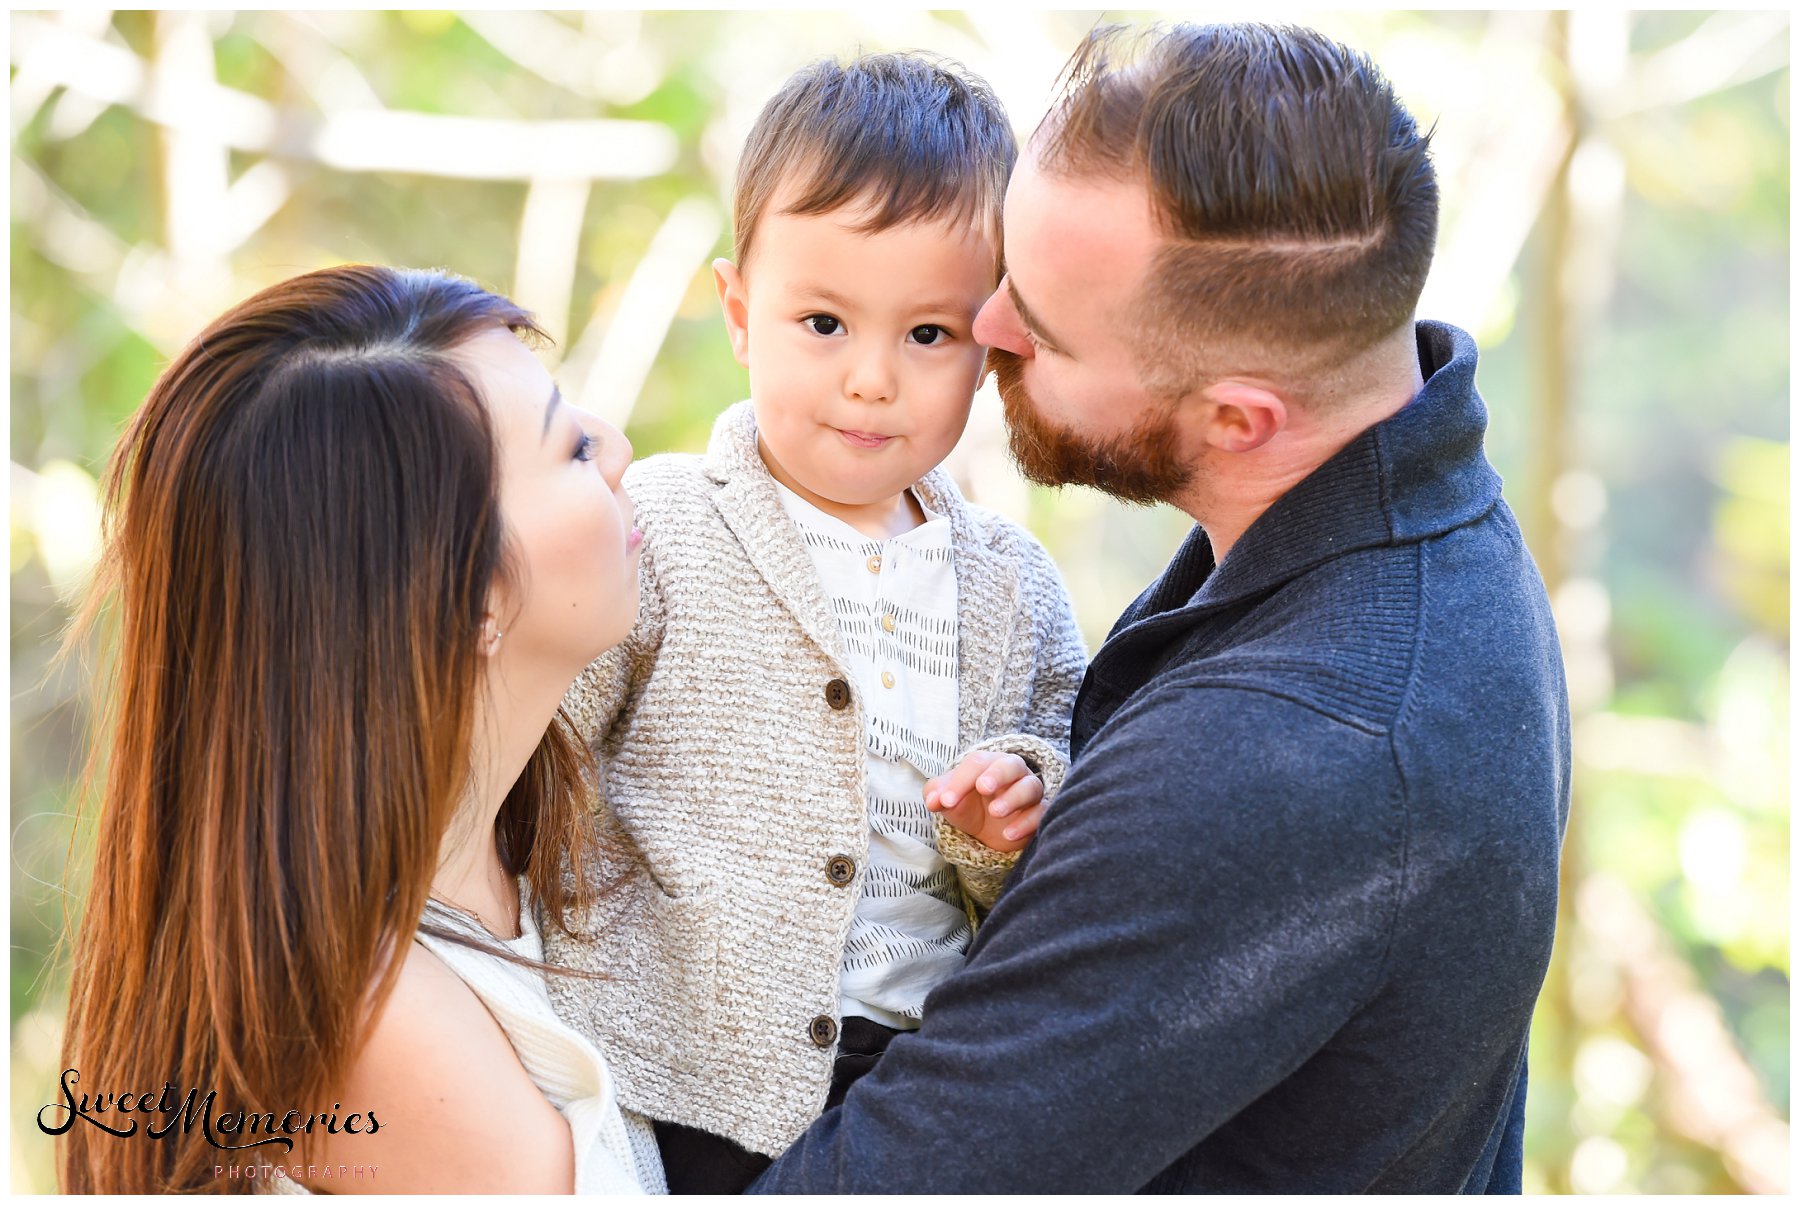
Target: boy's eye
[
  {"x": 929, "y": 334},
  {"x": 822, "y": 324}
]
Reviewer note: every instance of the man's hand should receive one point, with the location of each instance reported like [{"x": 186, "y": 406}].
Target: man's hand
[{"x": 993, "y": 797}]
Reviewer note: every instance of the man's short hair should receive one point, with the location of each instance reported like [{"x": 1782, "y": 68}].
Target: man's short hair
[
  {"x": 1297, "y": 192},
  {"x": 917, "y": 136}
]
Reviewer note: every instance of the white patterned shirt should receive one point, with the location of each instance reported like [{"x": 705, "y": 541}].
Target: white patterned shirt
[{"x": 895, "y": 603}]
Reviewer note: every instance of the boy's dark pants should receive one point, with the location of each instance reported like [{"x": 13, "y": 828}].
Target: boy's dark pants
[{"x": 695, "y": 1161}]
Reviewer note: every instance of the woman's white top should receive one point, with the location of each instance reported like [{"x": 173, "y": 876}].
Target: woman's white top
[
  {"x": 895, "y": 602},
  {"x": 615, "y": 1151}
]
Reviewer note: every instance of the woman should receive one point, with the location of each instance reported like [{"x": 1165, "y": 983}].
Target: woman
[{"x": 358, "y": 547}]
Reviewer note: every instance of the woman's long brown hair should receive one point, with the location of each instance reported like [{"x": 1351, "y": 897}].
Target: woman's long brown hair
[{"x": 302, "y": 530}]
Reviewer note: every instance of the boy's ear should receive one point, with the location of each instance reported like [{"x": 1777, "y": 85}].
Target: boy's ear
[{"x": 736, "y": 303}]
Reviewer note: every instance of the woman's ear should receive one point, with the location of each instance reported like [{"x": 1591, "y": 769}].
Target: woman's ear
[
  {"x": 734, "y": 300},
  {"x": 490, "y": 635}
]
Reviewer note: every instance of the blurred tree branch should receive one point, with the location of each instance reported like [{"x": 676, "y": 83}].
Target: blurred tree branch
[
  {"x": 349, "y": 139},
  {"x": 1710, "y": 1095},
  {"x": 1728, "y": 49}
]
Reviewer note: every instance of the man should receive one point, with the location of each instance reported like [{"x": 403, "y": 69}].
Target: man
[{"x": 1284, "y": 926}]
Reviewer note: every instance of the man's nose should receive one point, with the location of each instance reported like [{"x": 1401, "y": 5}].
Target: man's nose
[{"x": 997, "y": 325}]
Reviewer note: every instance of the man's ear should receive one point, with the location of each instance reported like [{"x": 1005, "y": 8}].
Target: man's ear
[
  {"x": 1241, "y": 417},
  {"x": 734, "y": 300}
]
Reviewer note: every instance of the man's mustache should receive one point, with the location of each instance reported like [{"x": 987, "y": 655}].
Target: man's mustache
[{"x": 1008, "y": 368}]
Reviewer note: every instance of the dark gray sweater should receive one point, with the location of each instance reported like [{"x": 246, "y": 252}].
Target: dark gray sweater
[{"x": 1285, "y": 924}]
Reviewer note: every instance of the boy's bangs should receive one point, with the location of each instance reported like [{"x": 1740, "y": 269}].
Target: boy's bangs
[{"x": 895, "y": 188}]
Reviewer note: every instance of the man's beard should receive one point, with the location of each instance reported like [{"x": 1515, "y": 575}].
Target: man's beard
[{"x": 1141, "y": 466}]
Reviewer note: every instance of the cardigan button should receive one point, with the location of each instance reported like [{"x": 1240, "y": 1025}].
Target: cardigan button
[
  {"x": 822, "y": 1031},
  {"x": 837, "y": 693},
  {"x": 839, "y": 871}
]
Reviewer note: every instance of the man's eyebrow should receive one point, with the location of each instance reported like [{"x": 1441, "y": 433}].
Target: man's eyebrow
[
  {"x": 550, "y": 408},
  {"x": 1030, "y": 320}
]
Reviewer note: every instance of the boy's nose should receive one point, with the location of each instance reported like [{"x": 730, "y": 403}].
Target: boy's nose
[
  {"x": 871, "y": 377},
  {"x": 997, "y": 325}
]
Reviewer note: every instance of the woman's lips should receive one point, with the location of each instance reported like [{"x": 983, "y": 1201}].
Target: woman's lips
[{"x": 862, "y": 439}]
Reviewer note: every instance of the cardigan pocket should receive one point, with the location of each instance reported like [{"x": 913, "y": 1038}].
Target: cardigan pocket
[
  {"x": 650, "y": 1006},
  {"x": 665, "y": 1007},
  {"x": 687, "y": 936}
]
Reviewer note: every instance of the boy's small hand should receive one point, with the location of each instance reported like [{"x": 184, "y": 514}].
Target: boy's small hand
[{"x": 993, "y": 797}]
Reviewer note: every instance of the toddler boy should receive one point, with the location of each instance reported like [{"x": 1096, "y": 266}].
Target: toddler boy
[{"x": 830, "y": 638}]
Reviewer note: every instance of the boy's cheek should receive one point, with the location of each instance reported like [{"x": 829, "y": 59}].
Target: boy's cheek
[{"x": 972, "y": 366}]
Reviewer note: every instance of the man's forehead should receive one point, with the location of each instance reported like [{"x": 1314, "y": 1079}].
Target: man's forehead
[{"x": 1076, "y": 235}]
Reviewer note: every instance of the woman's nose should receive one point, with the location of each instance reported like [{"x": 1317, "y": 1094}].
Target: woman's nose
[{"x": 618, "y": 451}]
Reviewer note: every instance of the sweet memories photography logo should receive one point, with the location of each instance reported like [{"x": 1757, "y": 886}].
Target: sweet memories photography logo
[{"x": 156, "y": 1115}]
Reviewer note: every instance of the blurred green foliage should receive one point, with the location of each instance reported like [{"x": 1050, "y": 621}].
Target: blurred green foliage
[{"x": 1660, "y": 1053}]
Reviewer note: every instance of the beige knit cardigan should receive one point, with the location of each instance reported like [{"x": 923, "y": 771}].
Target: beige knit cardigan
[{"x": 733, "y": 788}]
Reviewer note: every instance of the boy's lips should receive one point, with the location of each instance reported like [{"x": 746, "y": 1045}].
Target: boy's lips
[{"x": 863, "y": 439}]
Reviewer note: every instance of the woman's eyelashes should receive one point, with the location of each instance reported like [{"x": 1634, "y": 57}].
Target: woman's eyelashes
[{"x": 585, "y": 447}]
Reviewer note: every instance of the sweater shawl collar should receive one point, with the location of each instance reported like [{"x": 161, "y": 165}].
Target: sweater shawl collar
[
  {"x": 1415, "y": 475},
  {"x": 987, "y": 583}
]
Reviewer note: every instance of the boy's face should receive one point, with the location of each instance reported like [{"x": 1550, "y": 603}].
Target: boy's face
[{"x": 859, "y": 346}]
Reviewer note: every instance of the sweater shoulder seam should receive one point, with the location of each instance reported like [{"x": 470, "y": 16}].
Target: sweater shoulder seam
[
  {"x": 1404, "y": 868},
  {"x": 1200, "y": 680}
]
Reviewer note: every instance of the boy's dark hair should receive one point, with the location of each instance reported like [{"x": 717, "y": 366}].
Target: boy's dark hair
[
  {"x": 1296, "y": 190},
  {"x": 916, "y": 135}
]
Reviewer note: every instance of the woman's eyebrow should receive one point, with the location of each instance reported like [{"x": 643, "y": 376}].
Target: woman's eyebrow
[{"x": 550, "y": 408}]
